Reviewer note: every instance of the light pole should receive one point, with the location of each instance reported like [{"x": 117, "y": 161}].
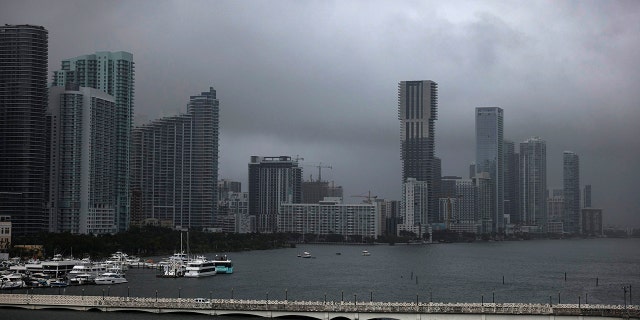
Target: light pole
[
  {"x": 231, "y": 293},
  {"x": 156, "y": 295},
  {"x": 179, "y": 292},
  {"x": 128, "y": 292},
  {"x": 82, "y": 294},
  {"x": 354, "y": 299},
  {"x": 286, "y": 296},
  {"x": 210, "y": 295}
]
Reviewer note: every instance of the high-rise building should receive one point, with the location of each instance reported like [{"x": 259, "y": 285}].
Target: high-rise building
[
  {"x": 511, "y": 185},
  {"x": 592, "y": 222},
  {"x": 417, "y": 112},
  {"x": 484, "y": 187},
  {"x": 413, "y": 207},
  {"x": 175, "y": 165},
  {"x": 82, "y": 164},
  {"x": 23, "y": 103},
  {"x": 316, "y": 191},
  {"x": 555, "y": 212},
  {"x": 571, "y": 192},
  {"x": 272, "y": 182},
  {"x": 112, "y": 73},
  {"x": 490, "y": 159},
  {"x": 533, "y": 183},
  {"x": 587, "y": 196}
]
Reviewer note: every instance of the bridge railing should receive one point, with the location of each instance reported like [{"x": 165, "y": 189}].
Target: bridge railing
[{"x": 116, "y": 302}]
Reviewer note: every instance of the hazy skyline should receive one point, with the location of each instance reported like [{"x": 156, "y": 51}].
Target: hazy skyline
[{"x": 319, "y": 79}]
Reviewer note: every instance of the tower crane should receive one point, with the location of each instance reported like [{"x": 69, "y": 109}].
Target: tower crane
[
  {"x": 368, "y": 196},
  {"x": 320, "y": 166}
]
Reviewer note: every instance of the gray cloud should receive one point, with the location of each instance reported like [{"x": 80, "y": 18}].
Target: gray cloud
[{"x": 319, "y": 79}]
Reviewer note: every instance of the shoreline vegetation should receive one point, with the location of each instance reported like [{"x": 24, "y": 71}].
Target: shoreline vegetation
[{"x": 150, "y": 241}]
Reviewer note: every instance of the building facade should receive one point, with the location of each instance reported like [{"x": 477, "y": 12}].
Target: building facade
[
  {"x": 414, "y": 207},
  {"x": 555, "y": 212},
  {"x": 490, "y": 159},
  {"x": 571, "y": 192},
  {"x": 417, "y": 112},
  {"x": 175, "y": 165},
  {"x": 355, "y": 222},
  {"x": 533, "y": 183},
  {"x": 511, "y": 182},
  {"x": 82, "y": 165},
  {"x": 112, "y": 73},
  {"x": 592, "y": 222},
  {"x": 273, "y": 181},
  {"x": 233, "y": 213},
  {"x": 23, "y": 103},
  {"x": 586, "y": 196}
]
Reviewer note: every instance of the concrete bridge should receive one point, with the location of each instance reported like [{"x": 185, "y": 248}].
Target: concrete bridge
[{"x": 324, "y": 310}]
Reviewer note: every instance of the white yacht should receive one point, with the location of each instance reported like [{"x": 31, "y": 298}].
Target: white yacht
[
  {"x": 110, "y": 278},
  {"x": 11, "y": 281},
  {"x": 58, "y": 267},
  {"x": 366, "y": 253},
  {"x": 200, "y": 267},
  {"x": 86, "y": 272}
]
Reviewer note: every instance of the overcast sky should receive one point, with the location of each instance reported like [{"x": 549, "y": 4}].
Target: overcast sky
[{"x": 318, "y": 79}]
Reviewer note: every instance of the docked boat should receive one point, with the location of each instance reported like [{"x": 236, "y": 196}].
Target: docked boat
[
  {"x": 58, "y": 267},
  {"x": 110, "y": 278},
  {"x": 11, "y": 281},
  {"x": 223, "y": 264},
  {"x": 86, "y": 272},
  {"x": 200, "y": 267},
  {"x": 57, "y": 283},
  {"x": 366, "y": 253}
]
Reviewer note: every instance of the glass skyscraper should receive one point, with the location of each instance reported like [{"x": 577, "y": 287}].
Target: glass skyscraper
[
  {"x": 417, "y": 112},
  {"x": 112, "y": 73},
  {"x": 533, "y": 183},
  {"x": 23, "y": 103},
  {"x": 571, "y": 191},
  {"x": 490, "y": 159},
  {"x": 175, "y": 166}
]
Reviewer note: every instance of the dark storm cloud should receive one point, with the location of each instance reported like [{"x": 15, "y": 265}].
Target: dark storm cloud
[{"x": 319, "y": 79}]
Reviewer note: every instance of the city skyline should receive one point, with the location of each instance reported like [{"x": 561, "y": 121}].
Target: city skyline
[{"x": 291, "y": 79}]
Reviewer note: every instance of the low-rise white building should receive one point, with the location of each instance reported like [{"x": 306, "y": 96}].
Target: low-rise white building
[{"x": 330, "y": 216}]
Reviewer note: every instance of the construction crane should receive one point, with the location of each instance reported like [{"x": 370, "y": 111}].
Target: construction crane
[
  {"x": 320, "y": 166},
  {"x": 368, "y": 196}
]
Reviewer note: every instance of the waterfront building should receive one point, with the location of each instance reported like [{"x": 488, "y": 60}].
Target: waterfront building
[
  {"x": 484, "y": 201},
  {"x": 592, "y": 222},
  {"x": 458, "y": 204},
  {"x": 389, "y": 212},
  {"x": 233, "y": 213},
  {"x": 490, "y": 159},
  {"x": 533, "y": 183},
  {"x": 23, "y": 103},
  {"x": 413, "y": 207},
  {"x": 511, "y": 182},
  {"x": 82, "y": 165},
  {"x": 355, "y": 222},
  {"x": 272, "y": 182},
  {"x": 555, "y": 212},
  {"x": 587, "y": 196},
  {"x": 571, "y": 192},
  {"x": 417, "y": 112},
  {"x": 175, "y": 165},
  {"x": 112, "y": 73}
]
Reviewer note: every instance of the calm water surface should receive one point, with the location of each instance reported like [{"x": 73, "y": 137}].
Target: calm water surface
[{"x": 533, "y": 271}]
